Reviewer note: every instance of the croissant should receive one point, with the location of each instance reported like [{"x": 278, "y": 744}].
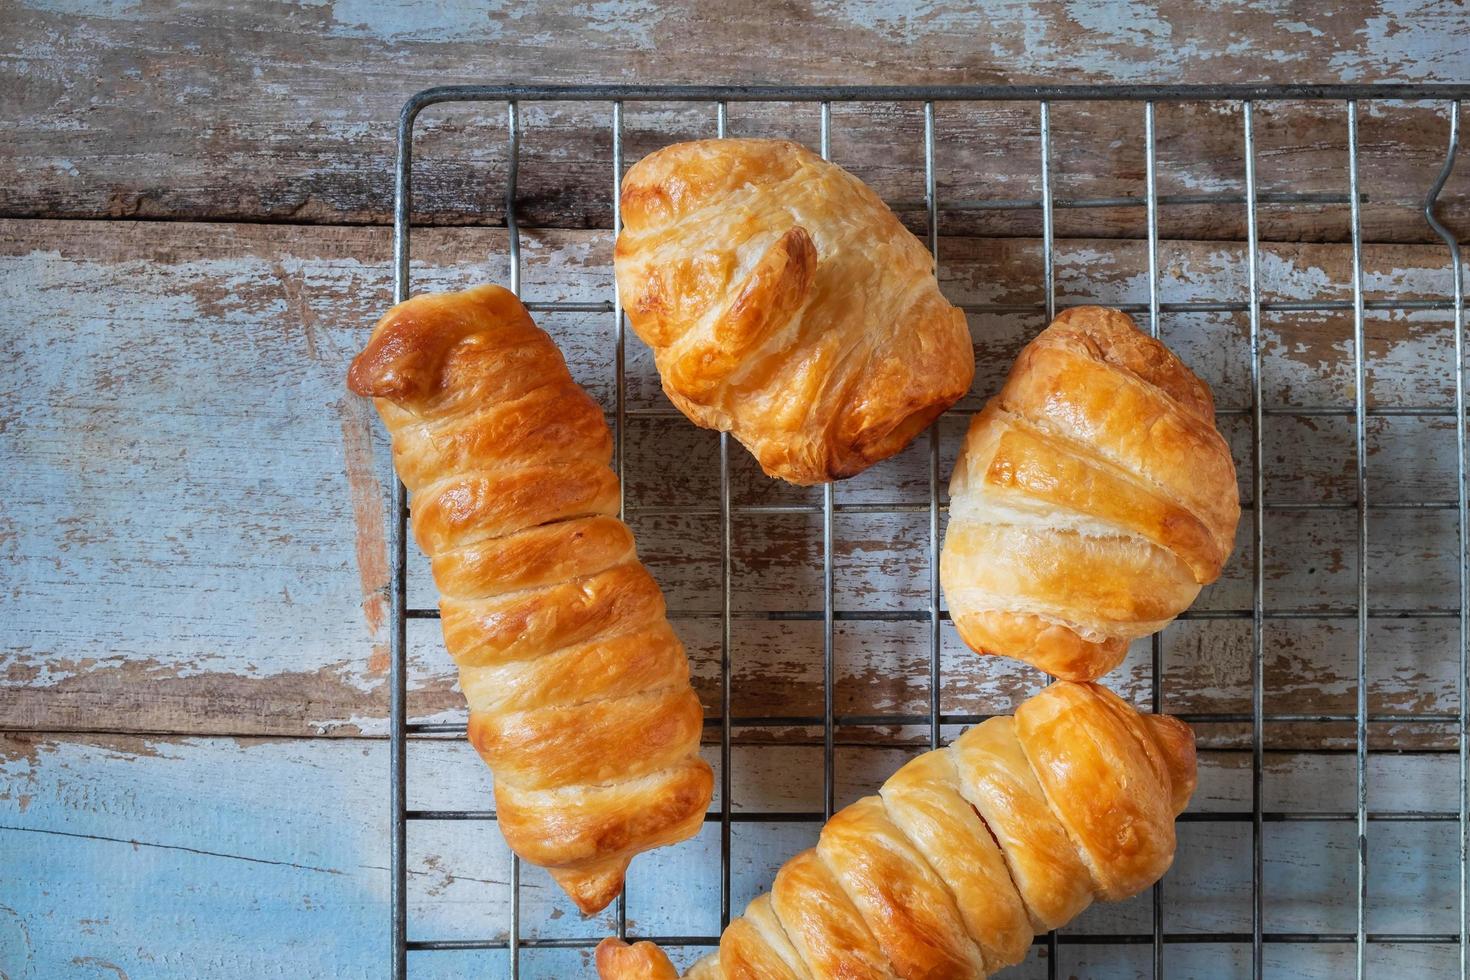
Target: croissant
[
  {"x": 1092, "y": 499},
  {"x": 966, "y": 852},
  {"x": 786, "y": 305},
  {"x": 578, "y": 688}
]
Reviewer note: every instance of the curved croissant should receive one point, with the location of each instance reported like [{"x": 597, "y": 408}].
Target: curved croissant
[
  {"x": 1091, "y": 501},
  {"x": 578, "y": 688},
  {"x": 787, "y": 305},
  {"x": 966, "y": 852}
]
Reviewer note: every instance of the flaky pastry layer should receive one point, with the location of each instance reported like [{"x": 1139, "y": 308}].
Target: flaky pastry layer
[
  {"x": 966, "y": 852},
  {"x": 578, "y": 687},
  {"x": 787, "y": 305},
  {"x": 1092, "y": 499}
]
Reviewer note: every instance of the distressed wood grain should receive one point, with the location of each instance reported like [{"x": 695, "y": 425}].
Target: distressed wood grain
[
  {"x": 218, "y": 567},
  {"x": 285, "y": 111},
  {"x": 192, "y": 538},
  {"x": 106, "y": 841}
]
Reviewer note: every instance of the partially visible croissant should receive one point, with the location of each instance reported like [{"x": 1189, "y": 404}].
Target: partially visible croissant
[
  {"x": 966, "y": 851},
  {"x": 577, "y": 686},
  {"x": 787, "y": 305},
  {"x": 1092, "y": 499}
]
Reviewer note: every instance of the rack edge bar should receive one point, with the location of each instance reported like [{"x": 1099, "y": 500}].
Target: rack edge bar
[{"x": 930, "y": 93}]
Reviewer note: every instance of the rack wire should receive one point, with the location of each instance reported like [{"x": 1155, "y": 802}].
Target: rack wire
[{"x": 1361, "y": 613}]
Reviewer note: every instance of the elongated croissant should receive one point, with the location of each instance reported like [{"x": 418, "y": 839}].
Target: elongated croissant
[
  {"x": 787, "y": 305},
  {"x": 966, "y": 851},
  {"x": 578, "y": 688},
  {"x": 1091, "y": 501}
]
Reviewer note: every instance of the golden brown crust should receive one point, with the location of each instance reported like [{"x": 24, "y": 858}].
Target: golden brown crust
[
  {"x": 1040, "y": 471},
  {"x": 607, "y": 667},
  {"x": 535, "y": 622},
  {"x": 765, "y": 301},
  {"x": 577, "y": 826},
  {"x": 1092, "y": 499},
  {"x": 640, "y": 961},
  {"x": 706, "y": 968},
  {"x": 998, "y": 780},
  {"x": 431, "y": 358},
  {"x": 577, "y": 686},
  {"x": 591, "y": 742},
  {"x": 756, "y": 947},
  {"x": 528, "y": 624},
  {"x": 553, "y": 423},
  {"x": 787, "y": 305},
  {"x": 1112, "y": 336},
  {"x": 904, "y": 901},
  {"x": 1048, "y": 646},
  {"x": 966, "y": 850},
  {"x": 826, "y": 928},
  {"x": 1103, "y": 582},
  {"x": 923, "y": 798},
  {"x": 1175, "y": 740},
  {"x": 535, "y": 557},
  {"x": 470, "y": 507},
  {"x": 1095, "y": 770}
]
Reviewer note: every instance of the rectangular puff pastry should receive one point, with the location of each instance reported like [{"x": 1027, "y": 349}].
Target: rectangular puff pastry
[
  {"x": 578, "y": 688},
  {"x": 787, "y": 305},
  {"x": 966, "y": 852}
]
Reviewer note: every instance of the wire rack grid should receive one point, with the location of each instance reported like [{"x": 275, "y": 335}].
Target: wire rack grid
[{"x": 1146, "y": 98}]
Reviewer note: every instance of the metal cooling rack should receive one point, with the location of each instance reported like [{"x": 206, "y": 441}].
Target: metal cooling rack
[{"x": 1146, "y": 97}]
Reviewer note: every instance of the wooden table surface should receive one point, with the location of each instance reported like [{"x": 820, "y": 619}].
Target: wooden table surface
[{"x": 193, "y": 242}]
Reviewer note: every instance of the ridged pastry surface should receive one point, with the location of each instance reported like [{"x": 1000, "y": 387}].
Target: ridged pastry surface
[
  {"x": 1092, "y": 499},
  {"x": 786, "y": 304},
  {"x": 578, "y": 687},
  {"x": 966, "y": 852}
]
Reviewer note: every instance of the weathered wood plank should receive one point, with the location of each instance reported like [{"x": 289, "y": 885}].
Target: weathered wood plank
[
  {"x": 285, "y": 111},
  {"x": 172, "y": 857},
  {"x": 187, "y": 859},
  {"x": 219, "y": 567}
]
